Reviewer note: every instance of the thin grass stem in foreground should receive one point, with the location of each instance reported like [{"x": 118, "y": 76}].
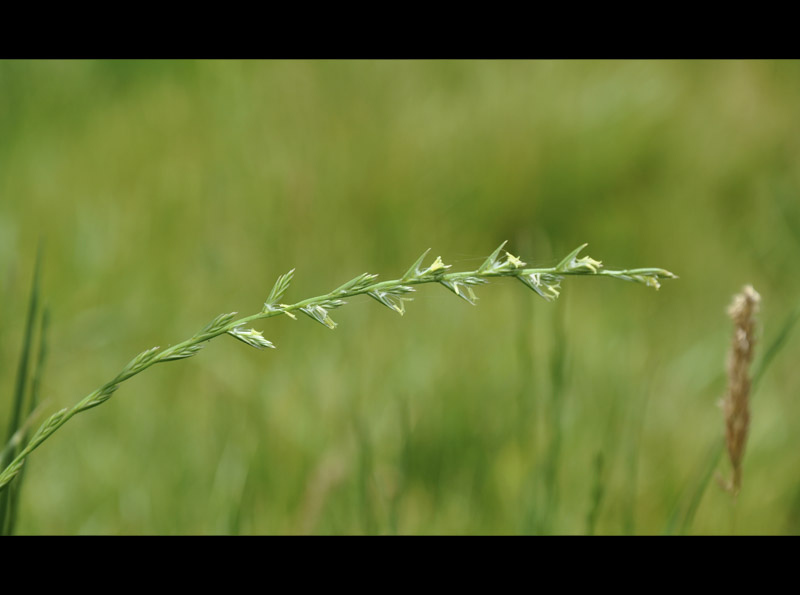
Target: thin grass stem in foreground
[{"x": 8, "y": 498}]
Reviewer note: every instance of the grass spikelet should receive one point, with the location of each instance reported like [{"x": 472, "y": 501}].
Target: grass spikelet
[
  {"x": 100, "y": 396},
  {"x": 436, "y": 270},
  {"x": 462, "y": 289},
  {"x": 572, "y": 264},
  {"x": 490, "y": 262},
  {"x": 320, "y": 314},
  {"x": 251, "y": 337},
  {"x": 280, "y": 287},
  {"x": 391, "y": 298},
  {"x": 49, "y": 426},
  {"x": 168, "y": 355},
  {"x": 414, "y": 272},
  {"x": 357, "y": 283},
  {"x": 140, "y": 362},
  {"x": 647, "y": 277},
  {"x": 546, "y": 285},
  {"x": 215, "y": 326}
]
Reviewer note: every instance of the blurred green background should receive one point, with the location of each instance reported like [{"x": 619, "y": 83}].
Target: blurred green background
[{"x": 169, "y": 192}]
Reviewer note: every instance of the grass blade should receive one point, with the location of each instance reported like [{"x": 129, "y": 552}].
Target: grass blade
[
  {"x": 19, "y": 392},
  {"x": 682, "y": 525},
  {"x": 694, "y": 503},
  {"x": 775, "y": 347},
  {"x": 596, "y": 495},
  {"x": 33, "y": 403}
]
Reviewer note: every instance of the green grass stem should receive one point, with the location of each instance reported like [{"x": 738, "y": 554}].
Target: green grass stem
[
  {"x": 775, "y": 347},
  {"x": 8, "y": 498},
  {"x": 393, "y": 294}
]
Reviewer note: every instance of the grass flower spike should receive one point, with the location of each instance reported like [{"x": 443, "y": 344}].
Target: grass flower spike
[{"x": 393, "y": 294}]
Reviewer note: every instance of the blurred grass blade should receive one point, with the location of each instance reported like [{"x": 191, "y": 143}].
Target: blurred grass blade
[
  {"x": 37, "y": 373},
  {"x": 694, "y": 503},
  {"x": 552, "y": 464},
  {"x": 775, "y": 347},
  {"x": 33, "y": 403},
  {"x": 682, "y": 525},
  {"x": 596, "y": 495},
  {"x": 22, "y": 369},
  {"x": 366, "y": 470},
  {"x": 19, "y": 393},
  {"x": 21, "y": 434}
]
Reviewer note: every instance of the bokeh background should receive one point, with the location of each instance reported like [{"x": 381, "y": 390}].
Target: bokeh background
[{"x": 169, "y": 192}]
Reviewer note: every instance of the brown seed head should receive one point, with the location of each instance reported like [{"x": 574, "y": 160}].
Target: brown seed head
[{"x": 735, "y": 405}]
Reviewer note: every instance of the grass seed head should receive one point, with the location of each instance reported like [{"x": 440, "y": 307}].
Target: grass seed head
[{"x": 736, "y": 403}]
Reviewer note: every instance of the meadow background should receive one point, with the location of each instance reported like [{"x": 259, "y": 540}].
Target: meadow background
[{"x": 169, "y": 192}]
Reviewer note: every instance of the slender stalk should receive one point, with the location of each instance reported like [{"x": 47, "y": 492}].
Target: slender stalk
[
  {"x": 393, "y": 293},
  {"x": 20, "y": 392}
]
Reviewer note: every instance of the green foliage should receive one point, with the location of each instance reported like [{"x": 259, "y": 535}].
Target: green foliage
[{"x": 167, "y": 189}]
